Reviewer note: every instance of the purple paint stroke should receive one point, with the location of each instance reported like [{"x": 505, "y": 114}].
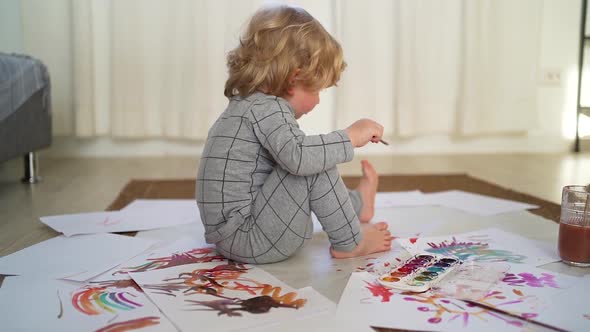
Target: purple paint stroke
[
  {"x": 531, "y": 280},
  {"x": 122, "y": 297}
]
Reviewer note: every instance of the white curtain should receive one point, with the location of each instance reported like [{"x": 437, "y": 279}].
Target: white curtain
[
  {"x": 152, "y": 68},
  {"x": 455, "y": 67},
  {"x": 155, "y": 68},
  {"x": 499, "y": 75}
]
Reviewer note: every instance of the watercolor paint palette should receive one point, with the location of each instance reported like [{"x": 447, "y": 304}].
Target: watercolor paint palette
[{"x": 419, "y": 273}]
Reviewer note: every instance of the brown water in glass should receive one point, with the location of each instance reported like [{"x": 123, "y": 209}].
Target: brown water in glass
[{"x": 574, "y": 243}]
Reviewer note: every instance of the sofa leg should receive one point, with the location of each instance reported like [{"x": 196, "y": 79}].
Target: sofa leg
[{"x": 31, "y": 169}]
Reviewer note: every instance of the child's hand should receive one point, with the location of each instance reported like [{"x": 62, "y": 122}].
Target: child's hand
[{"x": 364, "y": 131}]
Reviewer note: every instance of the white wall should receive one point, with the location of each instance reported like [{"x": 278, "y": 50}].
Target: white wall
[
  {"x": 56, "y": 34},
  {"x": 556, "y": 103},
  {"x": 11, "y": 33}
]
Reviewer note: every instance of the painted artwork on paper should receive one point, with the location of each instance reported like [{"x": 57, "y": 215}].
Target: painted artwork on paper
[
  {"x": 58, "y": 305},
  {"x": 131, "y": 325},
  {"x": 191, "y": 256},
  {"x": 488, "y": 245},
  {"x": 123, "y": 301},
  {"x": 178, "y": 253},
  {"x": 108, "y": 297},
  {"x": 228, "y": 294},
  {"x": 525, "y": 291}
]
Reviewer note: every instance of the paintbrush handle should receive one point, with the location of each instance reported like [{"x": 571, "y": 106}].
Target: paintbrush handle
[
  {"x": 586, "y": 215},
  {"x": 503, "y": 312}
]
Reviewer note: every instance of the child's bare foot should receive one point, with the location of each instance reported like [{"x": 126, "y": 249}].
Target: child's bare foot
[
  {"x": 376, "y": 238},
  {"x": 368, "y": 188}
]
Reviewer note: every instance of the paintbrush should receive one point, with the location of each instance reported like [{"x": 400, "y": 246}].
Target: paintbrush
[
  {"x": 507, "y": 313},
  {"x": 586, "y": 216},
  {"x": 380, "y": 141}
]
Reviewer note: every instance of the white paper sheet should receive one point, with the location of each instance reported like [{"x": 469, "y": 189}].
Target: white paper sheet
[
  {"x": 491, "y": 245},
  {"x": 42, "y": 305},
  {"x": 527, "y": 291},
  {"x": 402, "y": 226},
  {"x": 399, "y": 227},
  {"x": 475, "y": 203},
  {"x": 400, "y": 198},
  {"x": 569, "y": 310},
  {"x": 140, "y": 216},
  {"x": 225, "y": 296},
  {"x": 182, "y": 206},
  {"x": 57, "y": 305},
  {"x": 174, "y": 233},
  {"x": 77, "y": 258},
  {"x": 367, "y": 300}
]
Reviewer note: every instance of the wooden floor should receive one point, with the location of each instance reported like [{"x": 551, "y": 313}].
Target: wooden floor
[{"x": 88, "y": 184}]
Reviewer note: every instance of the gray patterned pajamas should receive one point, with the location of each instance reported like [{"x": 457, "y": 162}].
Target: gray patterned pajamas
[{"x": 260, "y": 177}]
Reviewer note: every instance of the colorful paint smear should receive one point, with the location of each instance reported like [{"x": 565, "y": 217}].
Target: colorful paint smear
[
  {"x": 198, "y": 255},
  {"x": 449, "y": 310},
  {"x": 378, "y": 290},
  {"x": 444, "y": 309},
  {"x": 469, "y": 250},
  {"x": 130, "y": 325},
  {"x": 104, "y": 298},
  {"x": 215, "y": 282},
  {"x": 529, "y": 279}
]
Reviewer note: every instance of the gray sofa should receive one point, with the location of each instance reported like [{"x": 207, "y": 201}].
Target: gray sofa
[{"x": 25, "y": 111}]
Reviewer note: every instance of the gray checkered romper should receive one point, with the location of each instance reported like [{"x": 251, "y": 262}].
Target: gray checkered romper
[{"x": 260, "y": 177}]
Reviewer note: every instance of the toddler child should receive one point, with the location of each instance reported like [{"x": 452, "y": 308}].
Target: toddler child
[{"x": 260, "y": 176}]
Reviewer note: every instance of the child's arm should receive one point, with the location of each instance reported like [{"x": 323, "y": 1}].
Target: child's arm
[{"x": 277, "y": 130}]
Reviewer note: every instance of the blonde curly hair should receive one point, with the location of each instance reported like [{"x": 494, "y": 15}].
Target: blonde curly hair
[{"x": 280, "y": 41}]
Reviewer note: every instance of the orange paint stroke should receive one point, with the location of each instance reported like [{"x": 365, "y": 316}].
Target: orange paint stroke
[
  {"x": 81, "y": 301},
  {"x": 130, "y": 325},
  {"x": 288, "y": 298}
]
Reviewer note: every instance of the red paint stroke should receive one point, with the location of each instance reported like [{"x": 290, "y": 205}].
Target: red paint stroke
[
  {"x": 413, "y": 240},
  {"x": 130, "y": 325},
  {"x": 379, "y": 290},
  {"x": 82, "y": 302}
]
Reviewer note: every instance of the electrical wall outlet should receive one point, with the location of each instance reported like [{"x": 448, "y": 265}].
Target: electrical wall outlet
[{"x": 550, "y": 76}]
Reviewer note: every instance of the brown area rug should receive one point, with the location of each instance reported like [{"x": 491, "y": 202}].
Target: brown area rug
[{"x": 185, "y": 188}]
